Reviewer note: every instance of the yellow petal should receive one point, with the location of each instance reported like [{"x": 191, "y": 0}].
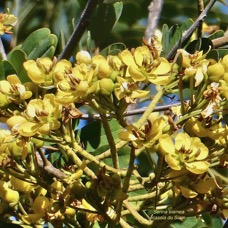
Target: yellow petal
[
  {"x": 13, "y": 79},
  {"x": 139, "y": 94},
  {"x": 172, "y": 162},
  {"x": 136, "y": 74},
  {"x": 166, "y": 145},
  {"x": 205, "y": 186},
  {"x": 127, "y": 58},
  {"x": 142, "y": 54},
  {"x": 28, "y": 129},
  {"x": 15, "y": 120},
  {"x": 182, "y": 140},
  {"x": 62, "y": 66},
  {"x": 197, "y": 167},
  {"x": 33, "y": 72},
  {"x": 163, "y": 68},
  {"x": 188, "y": 193},
  {"x": 199, "y": 76}
]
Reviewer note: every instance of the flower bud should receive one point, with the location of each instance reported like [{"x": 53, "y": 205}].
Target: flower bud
[
  {"x": 41, "y": 204},
  {"x": 70, "y": 211},
  {"x": 77, "y": 190},
  {"x": 215, "y": 72},
  {"x": 106, "y": 86},
  {"x": 83, "y": 57},
  {"x": 11, "y": 197}
]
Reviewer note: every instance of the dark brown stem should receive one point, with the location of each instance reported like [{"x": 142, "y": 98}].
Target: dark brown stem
[
  {"x": 83, "y": 23},
  {"x": 200, "y": 10},
  {"x": 189, "y": 32}
]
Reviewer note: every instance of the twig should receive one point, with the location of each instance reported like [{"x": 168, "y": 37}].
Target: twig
[
  {"x": 136, "y": 215},
  {"x": 133, "y": 112},
  {"x": 200, "y": 10},
  {"x": 2, "y": 50},
  {"x": 47, "y": 166},
  {"x": 79, "y": 30},
  {"x": 220, "y": 42},
  {"x": 189, "y": 32},
  {"x": 155, "y": 8}
]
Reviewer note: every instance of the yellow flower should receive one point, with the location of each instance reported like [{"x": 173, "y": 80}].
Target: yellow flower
[
  {"x": 41, "y": 116},
  {"x": 128, "y": 89},
  {"x": 146, "y": 136},
  {"x": 204, "y": 128},
  {"x": 187, "y": 152},
  {"x": 212, "y": 94},
  {"x": 14, "y": 90},
  {"x": 46, "y": 72},
  {"x": 195, "y": 65},
  {"x": 7, "y": 21},
  {"x": 142, "y": 67},
  {"x": 75, "y": 87}
]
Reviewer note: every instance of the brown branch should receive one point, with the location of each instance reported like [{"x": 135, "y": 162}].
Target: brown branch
[
  {"x": 47, "y": 166},
  {"x": 189, "y": 32},
  {"x": 200, "y": 10},
  {"x": 220, "y": 42},
  {"x": 155, "y": 8}
]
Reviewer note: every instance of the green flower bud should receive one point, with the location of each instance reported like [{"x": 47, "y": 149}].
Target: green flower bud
[
  {"x": 78, "y": 190},
  {"x": 215, "y": 72},
  {"x": 106, "y": 86}
]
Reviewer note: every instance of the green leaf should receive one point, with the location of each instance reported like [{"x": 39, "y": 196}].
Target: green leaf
[
  {"x": 34, "y": 39},
  {"x": 40, "y": 43},
  {"x": 103, "y": 20},
  {"x": 173, "y": 36},
  {"x": 190, "y": 222},
  {"x": 2, "y": 71},
  {"x": 217, "y": 34},
  {"x": 217, "y": 54},
  {"x": 93, "y": 135},
  {"x": 42, "y": 48},
  {"x": 123, "y": 155},
  {"x": 17, "y": 57},
  {"x": 8, "y": 68}
]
